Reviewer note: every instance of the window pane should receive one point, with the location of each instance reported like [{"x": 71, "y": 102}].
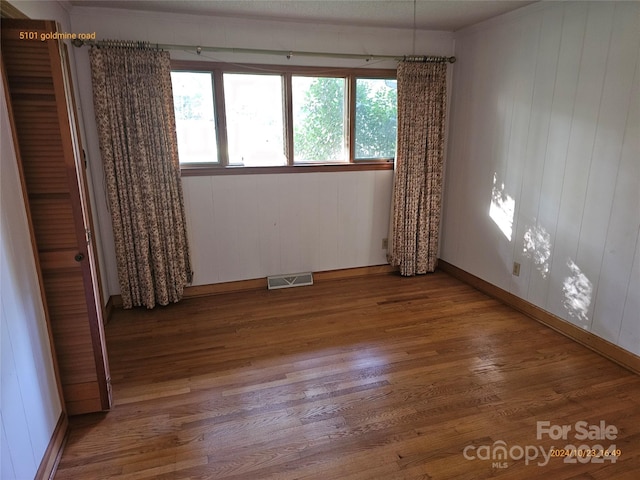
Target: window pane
[
  {"x": 255, "y": 119},
  {"x": 195, "y": 126},
  {"x": 318, "y": 119},
  {"x": 376, "y": 118}
]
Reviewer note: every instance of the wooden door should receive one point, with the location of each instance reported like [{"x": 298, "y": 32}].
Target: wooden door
[{"x": 53, "y": 171}]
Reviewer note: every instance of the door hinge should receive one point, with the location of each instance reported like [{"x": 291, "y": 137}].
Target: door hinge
[{"x": 89, "y": 237}]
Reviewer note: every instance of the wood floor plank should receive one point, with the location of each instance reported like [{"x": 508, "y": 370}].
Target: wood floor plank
[{"x": 378, "y": 377}]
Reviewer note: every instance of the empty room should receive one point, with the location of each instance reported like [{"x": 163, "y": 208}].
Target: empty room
[{"x": 320, "y": 239}]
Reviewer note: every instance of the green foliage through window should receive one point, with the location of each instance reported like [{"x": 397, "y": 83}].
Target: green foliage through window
[
  {"x": 318, "y": 119},
  {"x": 376, "y": 118},
  {"x": 348, "y": 117}
]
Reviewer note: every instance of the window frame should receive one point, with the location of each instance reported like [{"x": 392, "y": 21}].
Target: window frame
[
  {"x": 352, "y": 116},
  {"x": 222, "y": 167}
]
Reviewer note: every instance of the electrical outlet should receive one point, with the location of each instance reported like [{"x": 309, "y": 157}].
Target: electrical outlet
[
  {"x": 516, "y": 269},
  {"x": 385, "y": 243}
]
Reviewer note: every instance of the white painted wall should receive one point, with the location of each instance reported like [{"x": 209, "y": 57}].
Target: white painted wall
[
  {"x": 29, "y": 402},
  {"x": 546, "y": 102},
  {"x": 243, "y": 227}
]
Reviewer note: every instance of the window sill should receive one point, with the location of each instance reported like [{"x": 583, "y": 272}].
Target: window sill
[{"x": 212, "y": 170}]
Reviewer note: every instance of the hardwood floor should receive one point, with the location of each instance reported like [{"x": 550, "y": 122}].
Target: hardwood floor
[{"x": 379, "y": 377}]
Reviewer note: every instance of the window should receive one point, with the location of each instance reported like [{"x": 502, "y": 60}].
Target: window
[
  {"x": 195, "y": 120},
  {"x": 376, "y": 118},
  {"x": 319, "y": 133},
  {"x": 270, "y": 116},
  {"x": 255, "y": 124}
]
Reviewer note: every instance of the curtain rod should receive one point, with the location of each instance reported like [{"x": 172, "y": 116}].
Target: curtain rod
[{"x": 286, "y": 53}]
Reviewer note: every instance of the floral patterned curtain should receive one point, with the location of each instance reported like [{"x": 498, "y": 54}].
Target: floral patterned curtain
[
  {"x": 136, "y": 126},
  {"x": 417, "y": 187}
]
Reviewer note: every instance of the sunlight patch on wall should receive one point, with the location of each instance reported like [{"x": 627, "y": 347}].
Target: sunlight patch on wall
[
  {"x": 577, "y": 289},
  {"x": 502, "y": 208},
  {"x": 537, "y": 247}
]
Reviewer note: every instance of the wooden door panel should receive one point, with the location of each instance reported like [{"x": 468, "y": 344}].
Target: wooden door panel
[
  {"x": 67, "y": 305},
  {"x": 34, "y": 102},
  {"x": 53, "y": 173},
  {"x": 68, "y": 367},
  {"x": 45, "y": 177},
  {"x": 60, "y": 259},
  {"x": 54, "y": 224},
  {"x": 80, "y": 405}
]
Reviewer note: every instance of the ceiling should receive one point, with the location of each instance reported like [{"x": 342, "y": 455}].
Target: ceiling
[{"x": 450, "y": 15}]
